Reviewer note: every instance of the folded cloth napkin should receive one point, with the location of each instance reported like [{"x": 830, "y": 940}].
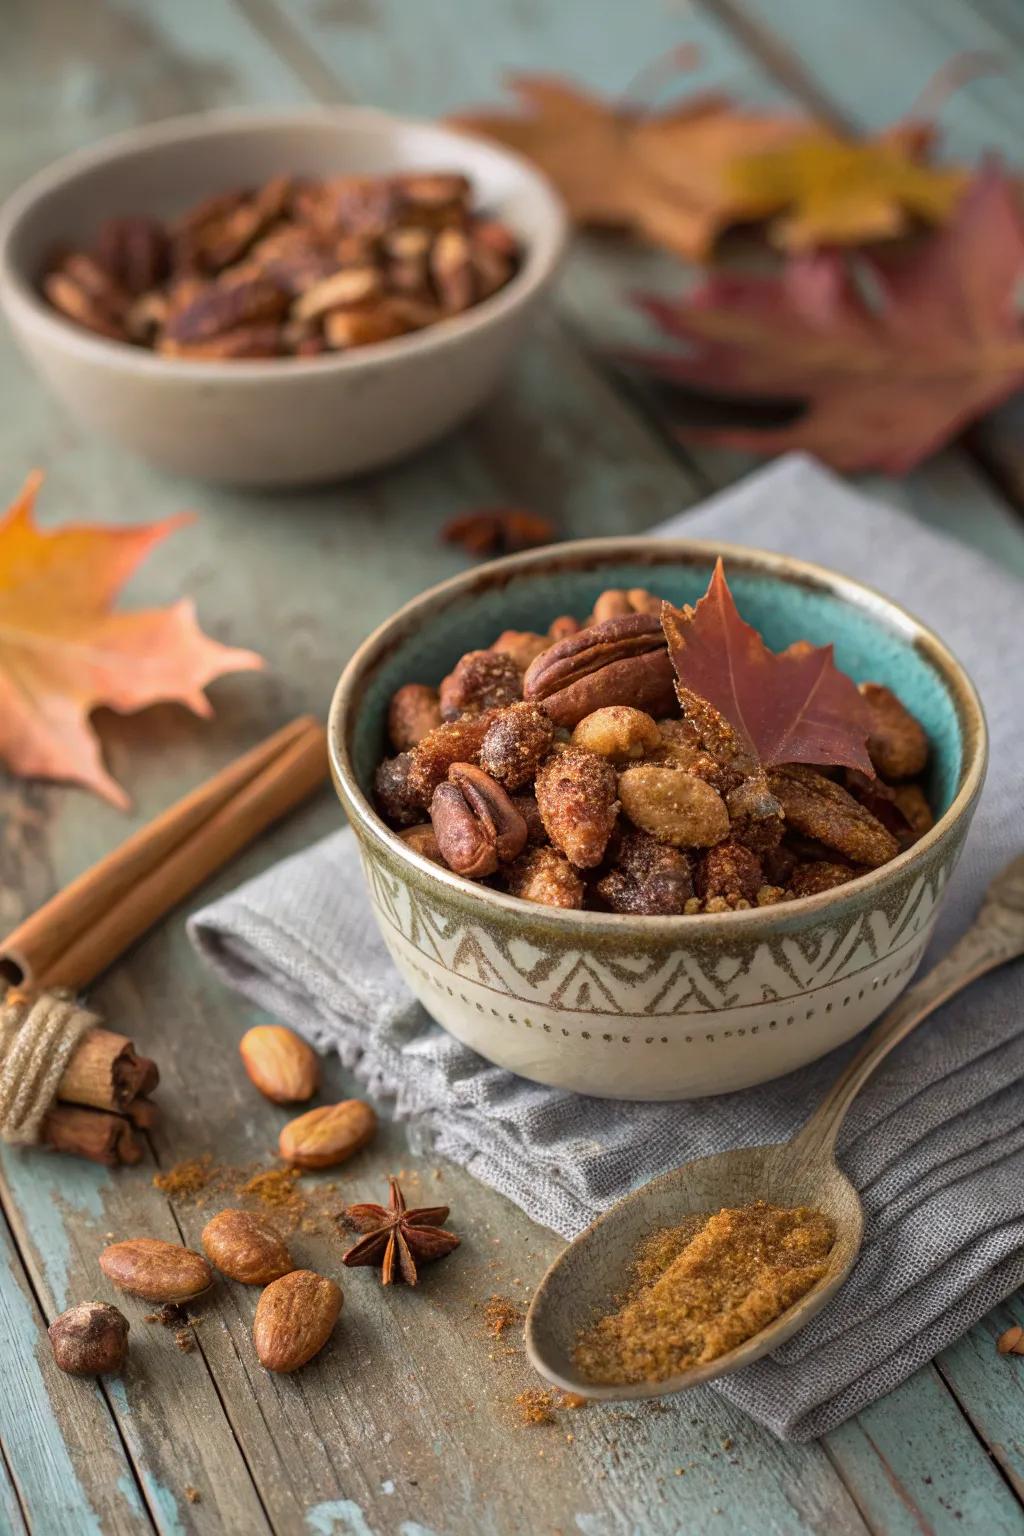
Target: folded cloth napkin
[{"x": 935, "y": 1143}]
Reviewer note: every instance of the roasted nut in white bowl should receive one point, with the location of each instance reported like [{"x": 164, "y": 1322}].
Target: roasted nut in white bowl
[{"x": 277, "y": 420}]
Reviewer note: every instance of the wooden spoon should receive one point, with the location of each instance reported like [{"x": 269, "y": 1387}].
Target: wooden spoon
[{"x": 596, "y": 1267}]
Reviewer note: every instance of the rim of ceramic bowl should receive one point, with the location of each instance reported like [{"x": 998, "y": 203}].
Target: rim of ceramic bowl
[
  {"x": 593, "y": 553},
  {"x": 543, "y": 252}
]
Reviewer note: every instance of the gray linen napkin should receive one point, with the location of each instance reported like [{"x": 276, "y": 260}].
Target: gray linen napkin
[{"x": 935, "y": 1143}]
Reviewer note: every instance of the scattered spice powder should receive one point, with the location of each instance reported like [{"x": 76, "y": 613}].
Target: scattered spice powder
[
  {"x": 501, "y": 1314},
  {"x": 274, "y": 1187},
  {"x": 188, "y": 1178},
  {"x": 535, "y": 1405},
  {"x": 700, "y": 1293},
  {"x": 200, "y": 1182}
]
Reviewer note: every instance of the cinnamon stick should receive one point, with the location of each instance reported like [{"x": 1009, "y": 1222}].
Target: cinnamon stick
[
  {"x": 31, "y": 952},
  {"x": 103, "y": 1072},
  {"x": 143, "y": 1114},
  {"x": 65, "y": 951},
  {"x": 91, "y": 1133}
]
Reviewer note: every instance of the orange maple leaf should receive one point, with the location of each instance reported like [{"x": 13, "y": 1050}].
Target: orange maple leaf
[
  {"x": 63, "y": 653},
  {"x": 666, "y": 174}
]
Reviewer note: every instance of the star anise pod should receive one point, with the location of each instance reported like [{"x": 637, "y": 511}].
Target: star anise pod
[{"x": 398, "y": 1239}]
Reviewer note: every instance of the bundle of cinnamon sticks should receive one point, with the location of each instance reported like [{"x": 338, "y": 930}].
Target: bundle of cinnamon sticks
[
  {"x": 102, "y": 1099},
  {"x": 103, "y": 1095}
]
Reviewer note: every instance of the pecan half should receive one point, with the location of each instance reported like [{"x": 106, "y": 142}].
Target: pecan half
[
  {"x": 475, "y": 823},
  {"x": 897, "y": 744},
  {"x": 222, "y": 308},
  {"x": 622, "y": 661},
  {"x": 576, "y": 796},
  {"x": 135, "y": 251},
  {"x": 822, "y": 809}
]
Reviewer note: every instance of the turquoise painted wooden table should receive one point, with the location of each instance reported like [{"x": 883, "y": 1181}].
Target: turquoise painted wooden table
[{"x": 407, "y": 1425}]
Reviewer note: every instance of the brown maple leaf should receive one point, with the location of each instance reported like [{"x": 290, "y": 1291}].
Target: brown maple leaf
[
  {"x": 63, "y": 653},
  {"x": 794, "y": 707},
  {"x": 891, "y": 358},
  {"x": 662, "y": 174},
  {"x": 839, "y": 191}
]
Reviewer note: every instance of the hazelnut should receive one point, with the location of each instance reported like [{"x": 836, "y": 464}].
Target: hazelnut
[
  {"x": 617, "y": 732},
  {"x": 90, "y": 1339}
]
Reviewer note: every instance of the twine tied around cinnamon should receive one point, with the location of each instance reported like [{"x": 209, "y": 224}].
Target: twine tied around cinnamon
[{"x": 38, "y": 1036}]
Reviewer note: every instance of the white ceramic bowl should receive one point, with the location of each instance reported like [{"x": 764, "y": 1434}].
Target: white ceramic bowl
[
  {"x": 282, "y": 421},
  {"x": 657, "y": 1007}
]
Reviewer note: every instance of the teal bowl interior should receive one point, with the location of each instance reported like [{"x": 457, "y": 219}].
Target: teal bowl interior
[{"x": 873, "y": 640}]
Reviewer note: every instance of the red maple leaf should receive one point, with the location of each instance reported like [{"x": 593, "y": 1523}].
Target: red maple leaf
[
  {"x": 794, "y": 707},
  {"x": 891, "y": 357}
]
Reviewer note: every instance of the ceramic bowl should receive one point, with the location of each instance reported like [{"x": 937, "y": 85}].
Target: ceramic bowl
[
  {"x": 283, "y": 421},
  {"x": 657, "y": 1007}
]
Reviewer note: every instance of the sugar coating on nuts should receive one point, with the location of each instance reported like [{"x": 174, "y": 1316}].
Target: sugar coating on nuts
[
  {"x": 673, "y": 806},
  {"x": 578, "y": 805},
  {"x": 459, "y": 741},
  {"x": 595, "y": 781},
  {"x": 481, "y": 680},
  {"x": 822, "y": 809},
  {"x": 546, "y": 877},
  {"x": 517, "y": 742},
  {"x": 618, "y": 732}
]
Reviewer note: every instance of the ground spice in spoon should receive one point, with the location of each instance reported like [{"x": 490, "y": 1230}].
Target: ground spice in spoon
[{"x": 704, "y": 1287}]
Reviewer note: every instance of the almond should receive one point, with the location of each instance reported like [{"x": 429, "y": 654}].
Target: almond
[
  {"x": 294, "y": 1319},
  {"x": 245, "y": 1247},
  {"x": 283, "y": 1067},
  {"x": 155, "y": 1270},
  {"x": 322, "y": 1137}
]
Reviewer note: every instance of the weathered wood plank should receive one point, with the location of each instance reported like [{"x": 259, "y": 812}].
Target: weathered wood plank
[
  {"x": 60, "y": 1449},
  {"x": 312, "y": 581},
  {"x": 912, "y": 1444}
]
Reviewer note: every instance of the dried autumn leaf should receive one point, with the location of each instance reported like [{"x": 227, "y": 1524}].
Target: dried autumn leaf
[
  {"x": 664, "y": 175},
  {"x": 843, "y": 192},
  {"x": 888, "y": 377},
  {"x": 796, "y": 707},
  {"x": 63, "y": 653}
]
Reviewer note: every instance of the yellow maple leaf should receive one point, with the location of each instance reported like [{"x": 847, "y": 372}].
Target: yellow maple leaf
[
  {"x": 839, "y": 191},
  {"x": 663, "y": 174},
  {"x": 63, "y": 653}
]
